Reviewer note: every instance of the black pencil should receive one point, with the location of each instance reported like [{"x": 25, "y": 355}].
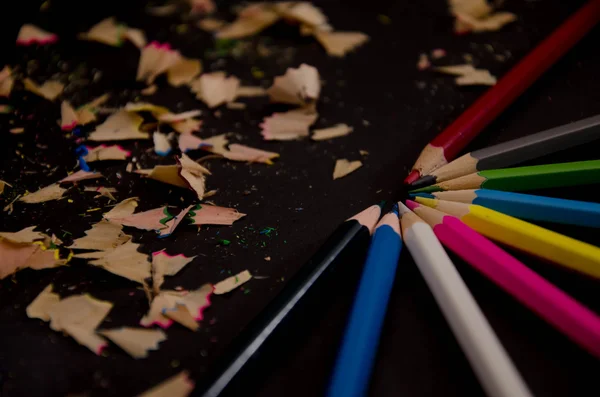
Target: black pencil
[
  {"x": 353, "y": 234},
  {"x": 516, "y": 151}
]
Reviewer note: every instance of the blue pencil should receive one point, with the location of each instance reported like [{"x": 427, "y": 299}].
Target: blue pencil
[
  {"x": 527, "y": 206},
  {"x": 359, "y": 346}
]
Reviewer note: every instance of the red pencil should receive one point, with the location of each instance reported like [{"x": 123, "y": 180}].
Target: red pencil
[{"x": 472, "y": 121}]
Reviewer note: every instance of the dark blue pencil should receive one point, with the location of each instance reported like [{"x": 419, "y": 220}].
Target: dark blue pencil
[
  {"x": 359, "y": 346},
  {"x": 527, "y": 206}
]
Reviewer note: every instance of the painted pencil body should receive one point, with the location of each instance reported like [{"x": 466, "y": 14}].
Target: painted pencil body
[
  {"x": 527, "y": 237},
  {"x": 359, "y": 346},
  {"x": 519, "y": 150},
  {"x": 487, "y": 356},
  {"x": 524, "y": 178},
  {"x": 446, "y": 146},
  {"x": 351, "y": 235},
  {"x": 576, "y": 321},
  {"x": 527, "y": 206}
]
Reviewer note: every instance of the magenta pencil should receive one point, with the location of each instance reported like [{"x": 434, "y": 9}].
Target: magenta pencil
[{"x": 576, "y": 321}]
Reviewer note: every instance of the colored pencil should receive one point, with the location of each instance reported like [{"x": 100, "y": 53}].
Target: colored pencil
[
  {"x": 524, "y": 178},
  {"x": 353, "y": 233},
  {"x": 359, "y": 346},
  {"x": 576, "y": 321},
  {"x": 527, "y": 237},
  {"x": 526, "y": 206},
  {"x": 489, "y": 360},
  {"x": 446, "y": 146},
  {"x": 516, "y": 151}
]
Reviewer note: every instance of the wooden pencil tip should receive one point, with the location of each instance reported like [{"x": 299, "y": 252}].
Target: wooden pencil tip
[
  {"x": 402, "y": 209},
  {"x": 426, "y": 195},
  {"x": 368, "y": 217},
  {"x": 412, "y": 205},
  {"x": 429, "y": 202},
  {"x": 428, "y": 189},
  {"x": 413, "y": 176},
  {"x": 426, "y": 180}
]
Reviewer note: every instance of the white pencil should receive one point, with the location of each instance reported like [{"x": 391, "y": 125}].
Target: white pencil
[{"x": 490, "y": 362}]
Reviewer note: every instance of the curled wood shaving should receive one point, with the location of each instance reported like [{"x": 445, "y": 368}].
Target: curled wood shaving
[
  {"x": 6, "y": 82},
  {"x": 338, "y": 44},
  {"x": 239, "y": 152},
  {"x": 179, "y": 385},
  {"x": 155, "y": 60},
  {"x": 102, "y": 191},
  {"x": 103, "y": 236},
  {"x": 299, "y": 86},
  {"x": 122, "y": 125},
  {"x": 30, "y": 34},
  {"x": 80, "y": 175},
  {"x": 79, "y": 316},
  {"x": 287, "y": 126},
  {"x": 194, "y": 174},
  {"x": 231, "y": 283},
  {"x": 336, "y": 131},
  {"x": 164, "y": 264},
  {"x": 251, "y": 20},
  {"x": 125, "y": 261},
  {"x": 468, "y": 75},
  {"x": 52, "y": 192},
  {"x": 215, "y": 89},
  {"x": 204, "y": 214},
  {"x": 50, "y": 90},
  {"x": 184, "y": 71},
  {"x": 185, "y": 307},
  {"x": 135, "y": 341},
  {"x": 106, "y": 152},
  {"x": 162, "y": 146},
  {"x": 166, "y": 174},
  {"x": 24, "y": 236},
  {"x": 344, "y": 167}
]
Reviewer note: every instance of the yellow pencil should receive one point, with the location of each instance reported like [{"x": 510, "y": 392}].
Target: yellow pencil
[{"x": 524, "y": 236}]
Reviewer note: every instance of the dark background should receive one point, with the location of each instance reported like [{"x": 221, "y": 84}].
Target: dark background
[{"x": 395, "y": 110}]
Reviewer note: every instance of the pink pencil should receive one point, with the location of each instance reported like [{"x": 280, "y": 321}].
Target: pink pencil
[{"x": 552, "y": 304}]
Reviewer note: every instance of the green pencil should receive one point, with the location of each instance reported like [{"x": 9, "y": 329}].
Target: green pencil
[{"x": 524, "y": 178}]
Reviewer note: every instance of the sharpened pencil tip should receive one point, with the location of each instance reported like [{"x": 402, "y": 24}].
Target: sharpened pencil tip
[
  {"x": 426, "y": 180},
  {"x": 402, "y": 209},
  {"x": 368, "y": 217},
  {"x": 426, "y": 195},
  {"x": 412, "y": 204},
  {"x": 413, "y": 176},
  {"x": 428, "y": 189}
]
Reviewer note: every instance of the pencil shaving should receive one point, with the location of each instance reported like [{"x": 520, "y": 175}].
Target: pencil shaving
[
  {"x": 106, "y": 152},
  {"x": 231, "y": 283},
  {"x": 338, "y": 44},
  {"x": 79, "y": 316},
  {"x": 122, "y": 125},
  {"x": 215, "y": 89},
  {"x": 179, "y": 385},
  {"x": 80, "y": 175},
  {"x": 30, "y": 34},
  {"x": 50, "y": 89},
  {"x": 6, "y": 82},
  {"x": 164, "y": 264},
  {"x": 189, "y": 142},
  {"x": 48, "y": 193},
  {"x": 344, "y": 167},
  {"x": 42, "y": 303},
  {"x": 156, "y": 59},
  {"x": 184, "y": 71},
  {"x": 203, "y": 214},
  {"x": 125, "y": 261},
  {"x": 171, "y": 224},
  {"x": 102, "y": 191},
  {"x": 135, "y": 341},
  {"x": 153, "y": 219},
  {"x": 299, "y": 86},
  {"x": 336, "y": 131},
  {"x": 23, "y": 236},
  {"x": 287, "y": 126},
  {"x": 103, "y": 236},
  {"x": 239, "y": 152},
  {"x": 251, "y": 20},
  {"x": 162, "y": 146}
]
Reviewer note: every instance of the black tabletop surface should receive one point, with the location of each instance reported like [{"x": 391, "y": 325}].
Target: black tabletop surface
[{"x": 395, "y": 110}]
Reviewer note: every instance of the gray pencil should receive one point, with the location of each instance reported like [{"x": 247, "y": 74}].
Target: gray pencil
[{"x": 516, "y": 151}]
